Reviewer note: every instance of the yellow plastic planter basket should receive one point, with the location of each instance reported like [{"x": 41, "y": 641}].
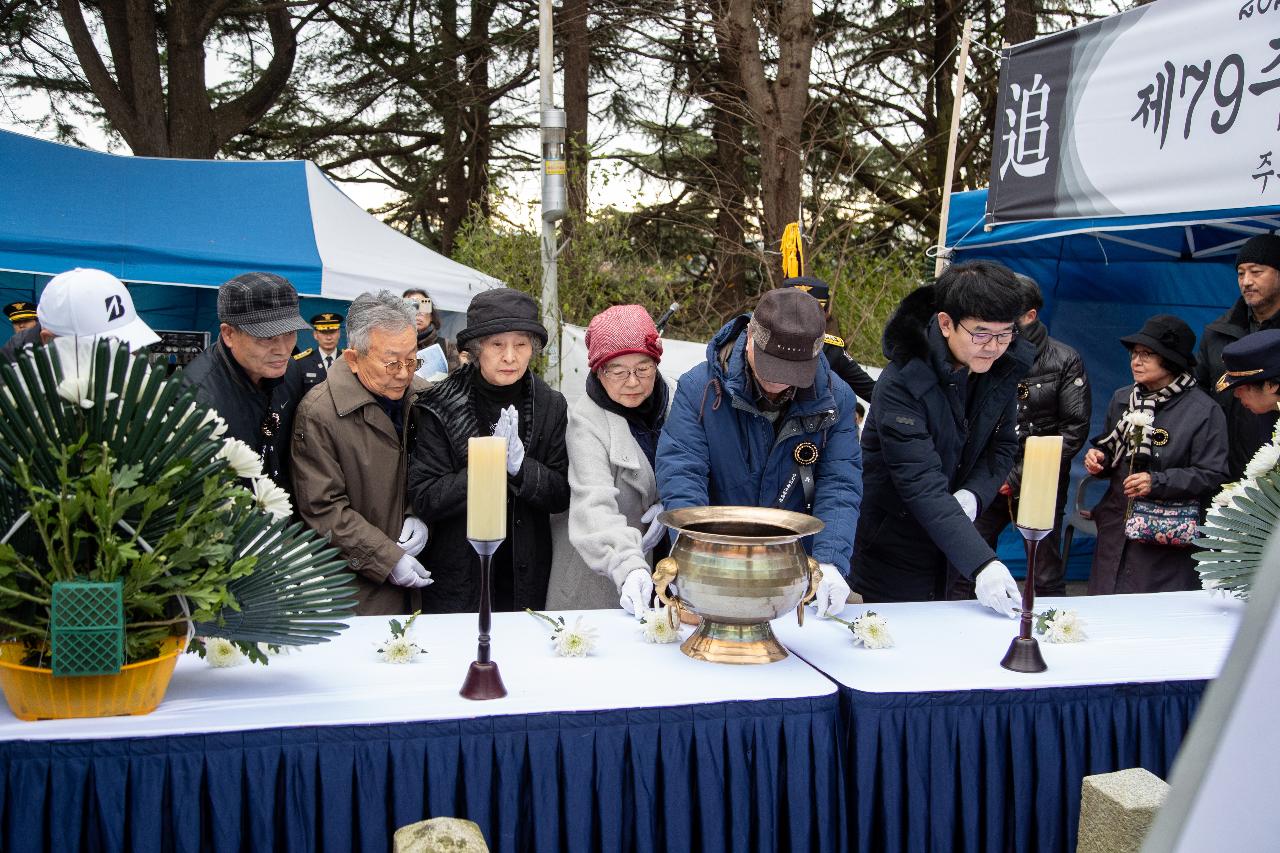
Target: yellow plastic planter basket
[{"x": 38, "y": 694}]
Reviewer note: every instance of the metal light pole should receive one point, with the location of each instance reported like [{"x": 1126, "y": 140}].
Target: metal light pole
[{"x": 554, "y": 189}]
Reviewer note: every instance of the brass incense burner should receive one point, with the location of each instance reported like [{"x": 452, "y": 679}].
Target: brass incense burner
[{"x": 737, "y": 568}]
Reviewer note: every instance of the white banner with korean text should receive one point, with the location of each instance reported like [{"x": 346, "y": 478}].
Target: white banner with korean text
[{"x": 1173, "y": 106}]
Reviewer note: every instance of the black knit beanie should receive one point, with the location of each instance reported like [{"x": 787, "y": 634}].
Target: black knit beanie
[{"x": 1263, "y": 249}]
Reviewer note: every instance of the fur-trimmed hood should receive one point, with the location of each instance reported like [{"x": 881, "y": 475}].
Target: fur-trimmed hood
[{"x": 906, "y": 335}]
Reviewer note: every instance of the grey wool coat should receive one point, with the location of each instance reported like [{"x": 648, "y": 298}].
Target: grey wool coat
[{"x": 611, "y": 485}]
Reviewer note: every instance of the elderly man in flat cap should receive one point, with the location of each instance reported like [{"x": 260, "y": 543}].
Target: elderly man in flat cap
[{"x": 249, "y": 376}]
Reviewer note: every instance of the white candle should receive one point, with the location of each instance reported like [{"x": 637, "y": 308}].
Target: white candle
[
  {"x": 1038, "y": 497},
  {"x": 487, "y": 488}
]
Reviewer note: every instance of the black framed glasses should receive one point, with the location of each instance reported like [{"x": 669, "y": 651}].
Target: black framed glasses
[{"x": 987, "y": 337}]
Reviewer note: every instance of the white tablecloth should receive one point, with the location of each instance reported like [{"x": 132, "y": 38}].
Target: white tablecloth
[
  {"x": 958, "y": 645},
  {"x": 343, "y": 682}
]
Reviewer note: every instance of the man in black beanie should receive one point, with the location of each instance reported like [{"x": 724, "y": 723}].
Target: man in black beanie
[{"x": 1258, "y": 272}]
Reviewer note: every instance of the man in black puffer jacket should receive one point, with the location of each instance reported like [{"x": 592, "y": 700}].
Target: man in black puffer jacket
[
  {"x": 249, "y": 376},
  {"x": 1052, "y": 400},
  {"x": 939, "y": 439}
]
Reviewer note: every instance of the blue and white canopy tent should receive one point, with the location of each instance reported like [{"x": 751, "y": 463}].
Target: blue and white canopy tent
[
  {"x": 176, "y": 229},
  {"x": 1103, "y": 277}
]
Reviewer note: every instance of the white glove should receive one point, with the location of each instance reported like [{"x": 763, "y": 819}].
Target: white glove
[
  {"x": 409, "y": 572},
  {"x": 656, "y": 530},
  {"x": 968, "y": 502},
  {"x": 833, "y": 591},
  {"x": 636, "y": 591},
  {"x": 509, "y": 426},
  {"x": 997, "y": 589},
  {"x": 413, "y": 536}
]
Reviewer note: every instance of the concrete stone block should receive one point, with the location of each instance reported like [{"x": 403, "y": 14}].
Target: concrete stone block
[
  {"x": 1117, "y": 810},
  {"x": 440, "y": 835}
]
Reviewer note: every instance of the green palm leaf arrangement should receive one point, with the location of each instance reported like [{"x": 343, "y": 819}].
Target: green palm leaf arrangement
[
  {"x": 111, "y": 472},
  {"x": 1236, "y": 533}
]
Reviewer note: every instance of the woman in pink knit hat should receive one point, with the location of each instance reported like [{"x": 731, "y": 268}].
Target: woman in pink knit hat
[{"x": 612, "y": 439}]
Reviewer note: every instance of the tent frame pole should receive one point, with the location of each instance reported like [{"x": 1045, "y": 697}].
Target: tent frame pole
[{"x": 940, "y": 262}]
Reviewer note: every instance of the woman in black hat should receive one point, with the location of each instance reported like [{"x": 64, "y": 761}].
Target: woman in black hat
[
  {"x": 1165, "y": 453},
  {"x": 494, "y": 393}
]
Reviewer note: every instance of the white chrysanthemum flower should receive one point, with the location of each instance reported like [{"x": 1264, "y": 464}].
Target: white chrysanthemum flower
[
  {"x": 1140, "y": 419},
  {"x": 219, "y": 651},
  {"x": 75, "y": 390},
  {"x": 1066, "y": 626},
  {"x": 872, "y": 630},
  {"x": 1263, "y": 462},
  {"x": 1229, "y": 492},
  {"x": 400, "y": 650},
  {"x": 272, "y": 498},
  {"x": 242, "y": 458},
  {"x": 575, "y": 642},
  {"x": 656, "y": 627},
  {"x": 219, "y": 425}
]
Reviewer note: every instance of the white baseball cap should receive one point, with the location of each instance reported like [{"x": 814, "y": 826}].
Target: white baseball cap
[{"x": 88, "y": 303}]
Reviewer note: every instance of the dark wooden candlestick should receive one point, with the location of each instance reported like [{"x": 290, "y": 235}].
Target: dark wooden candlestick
[
  {"x": 483, "y": 679},
  {"x": 1024, "y": 652}
]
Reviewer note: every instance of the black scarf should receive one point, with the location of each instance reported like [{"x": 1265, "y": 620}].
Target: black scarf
[
  {"x": 394, "y": 409},
  {"x": 490, "y": 400},
  {"x": 645, "y": 420}
]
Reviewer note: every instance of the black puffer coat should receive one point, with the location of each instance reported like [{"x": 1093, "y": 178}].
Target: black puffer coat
[
  {"x": 445, "y": 417},
  {"x": 919, "y": 446},
  {"x": 1053, "y": 399},
  {"x": 1246, "y": 432},
  {"x": 260, "y": 417}
]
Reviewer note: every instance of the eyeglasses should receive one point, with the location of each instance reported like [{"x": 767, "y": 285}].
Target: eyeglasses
[
  {"x": 1142, "y": 355},
  {"x": 618, "y": 373},
  {"x": 394, "y": 367},
  {"x": 987, "y": 337}
]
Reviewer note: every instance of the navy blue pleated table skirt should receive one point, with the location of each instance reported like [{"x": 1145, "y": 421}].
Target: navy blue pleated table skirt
[
  {"x": 732, "y": 776},
  {"x": 997, "y": 770}
]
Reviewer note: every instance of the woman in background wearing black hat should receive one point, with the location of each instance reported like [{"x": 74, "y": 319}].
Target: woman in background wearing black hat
[
  {"x": 495, "y": 393},
  {"x": 1182, "y": 457}
]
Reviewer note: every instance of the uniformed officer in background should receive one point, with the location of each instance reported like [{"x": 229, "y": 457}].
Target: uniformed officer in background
[
  {"x": 316, "y": 361},
  {"x": 832, "y": 344},
  {"x": 21, "y": 314}
]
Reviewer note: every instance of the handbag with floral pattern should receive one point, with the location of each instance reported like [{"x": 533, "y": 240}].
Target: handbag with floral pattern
[{"x": 1171, "y": 523}]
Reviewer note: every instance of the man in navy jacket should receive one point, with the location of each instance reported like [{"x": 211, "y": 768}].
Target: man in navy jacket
[
  {"x": 940, "y": 438},
  {"x": 765, "y": 422}
]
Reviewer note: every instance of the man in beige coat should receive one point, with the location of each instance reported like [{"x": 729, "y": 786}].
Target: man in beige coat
[{"x": 351, "y": 438}]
